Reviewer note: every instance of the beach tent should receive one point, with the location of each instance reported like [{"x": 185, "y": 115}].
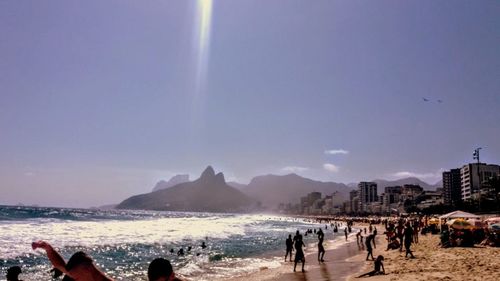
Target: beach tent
[
  {"x": 459, "y": 214},
  {"x": 493, "y": 220}
]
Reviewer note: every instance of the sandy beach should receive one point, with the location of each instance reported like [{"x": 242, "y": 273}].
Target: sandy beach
[
  {"x": 435, "y": 263},
  {"x": 432, "y": 262}
]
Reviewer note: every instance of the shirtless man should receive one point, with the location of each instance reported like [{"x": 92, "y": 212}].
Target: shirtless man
[{"x": 80, "y": 266}]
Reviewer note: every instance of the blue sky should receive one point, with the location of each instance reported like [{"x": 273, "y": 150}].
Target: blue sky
[{"x": 104, "y": 97}]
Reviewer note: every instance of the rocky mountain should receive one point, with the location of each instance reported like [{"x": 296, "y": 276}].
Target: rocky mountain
[
  {"x": 209, "y": 193},
  {"x": 272, "y": 190},
  {"x": 175, "y": 180},
  {"x": 381, "y": 184}
]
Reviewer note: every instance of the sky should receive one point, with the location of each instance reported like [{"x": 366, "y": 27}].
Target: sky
[{"x": 99, "y": 100}]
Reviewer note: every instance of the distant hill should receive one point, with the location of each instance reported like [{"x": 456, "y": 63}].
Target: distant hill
[
  {"x": 271, "y": 190},
  {"x": 237, "y": 185},
  {"x": 175, "y": 180},
  {"x": 209, "y": 193},
  {"x": 381, "y": 184}
]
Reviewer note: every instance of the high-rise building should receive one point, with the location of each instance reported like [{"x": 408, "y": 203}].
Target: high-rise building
[
  {"x": 367, "y": 194},
  {"x": 473, "y": 175},
  {"x": 452, "y": 187},
  {"x": 390, "y": 197},
  {"x": 353, "y": 201}
]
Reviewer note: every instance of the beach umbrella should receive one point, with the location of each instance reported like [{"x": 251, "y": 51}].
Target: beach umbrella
[
  {"x": 476, "y": 223},
  {"x": 460, "y": 224},
  {"x": 495, "y": 226},
  {"x": 492, "y": 220},
  {"x": 433, "y": 221}
]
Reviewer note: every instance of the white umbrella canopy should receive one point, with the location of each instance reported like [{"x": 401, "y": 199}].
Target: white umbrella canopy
[
  {"x": 492, "y": 220},
  {"x": 459, "y": 214}
]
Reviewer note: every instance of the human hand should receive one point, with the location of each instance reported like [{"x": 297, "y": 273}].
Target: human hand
[{"x": 40, "y": 244}]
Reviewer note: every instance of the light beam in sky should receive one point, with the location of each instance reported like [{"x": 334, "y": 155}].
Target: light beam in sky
[{"x": 203, "y": 21}]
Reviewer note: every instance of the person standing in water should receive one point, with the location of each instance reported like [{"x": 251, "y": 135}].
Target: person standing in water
[
  {"x": 299, "y": 253},
  {"x": 289, "y": 247},
  {"x": 345, "y": 233},
  {"x": 321, "y": 249}
]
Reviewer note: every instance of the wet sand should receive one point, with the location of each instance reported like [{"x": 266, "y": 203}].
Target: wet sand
[{"x": 339, "y": 263}]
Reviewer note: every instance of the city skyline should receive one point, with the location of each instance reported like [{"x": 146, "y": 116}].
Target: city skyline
[{"x": 102, "y": 100}]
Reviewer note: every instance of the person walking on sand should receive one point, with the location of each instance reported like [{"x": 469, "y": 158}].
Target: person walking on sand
[
  {"x": 321, "y": 249},
  {"x": 369, "y": 240},
  {"x": 289, "y": 247},
  {"x": 408, "y": 234},
  {"x": 345, "y": 233},
  {"x": 79, "y": 267},
  {"x": 299, "y": 253},
  {"x": 357, "y": 237}
]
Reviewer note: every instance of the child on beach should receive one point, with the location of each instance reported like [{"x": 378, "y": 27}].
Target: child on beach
[
  {"x": 289, "y": 247},
  {"x": 376, "y": 271}
]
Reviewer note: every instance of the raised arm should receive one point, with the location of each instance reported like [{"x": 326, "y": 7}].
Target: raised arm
[{"x": 54, "y": 257}]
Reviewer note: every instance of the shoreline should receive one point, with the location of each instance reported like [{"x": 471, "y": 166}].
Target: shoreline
[{"x": 342, "y": 259}]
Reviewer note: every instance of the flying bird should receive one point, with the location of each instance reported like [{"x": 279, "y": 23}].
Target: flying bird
[
  {"x": 440, "y": 101},
  {"x": 425, "y": 99}
]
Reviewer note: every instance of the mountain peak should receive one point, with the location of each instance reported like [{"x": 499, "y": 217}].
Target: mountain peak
[
  {"x": 177, "y": 179},
  {"x": 208, "y": 172},
  {"x": 219, "y": 178}
]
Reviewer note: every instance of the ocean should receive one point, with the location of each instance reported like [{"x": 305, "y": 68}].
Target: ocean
[{"x": 123, "y": 242}]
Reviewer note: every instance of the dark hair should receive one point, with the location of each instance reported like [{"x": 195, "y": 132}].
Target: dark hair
[
  {"x": 13, "y": 272},
  {"x": 158, "y": 268},
  {"x": 77, "y": 259}
]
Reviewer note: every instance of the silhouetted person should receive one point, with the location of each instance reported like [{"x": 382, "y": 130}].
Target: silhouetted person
[
  {"x": 203, "y": 245},
  {"x": 289, "y": 246},
  {"x": 13, "y": 273},
  {"x": 296, "y": 237},
  {"x": 299, "y": 253},
  {"x": 369, "y": 249},
  {"x": 171, "y": 251},
  {"x": 180, "y": 252},
  {"x": 189, "y": 248},
  {"x": 79, "y": 267},
  {"x": 161, "y": 270},
  {"x": 358, "y": 236},
  {"x": 408, "y": 233},
  {"x": 345, "y": 233},
  {"x": 321, "y": 249},
  {"x": 378, "y": 264}
]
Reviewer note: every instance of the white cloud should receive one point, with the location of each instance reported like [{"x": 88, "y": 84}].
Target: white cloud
[
  {"x": 294, "y": 169},
  {"x": 407, "y": 174},
  {"x": 330, "y": 167},
  {"x": 336, "y": 151}
]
